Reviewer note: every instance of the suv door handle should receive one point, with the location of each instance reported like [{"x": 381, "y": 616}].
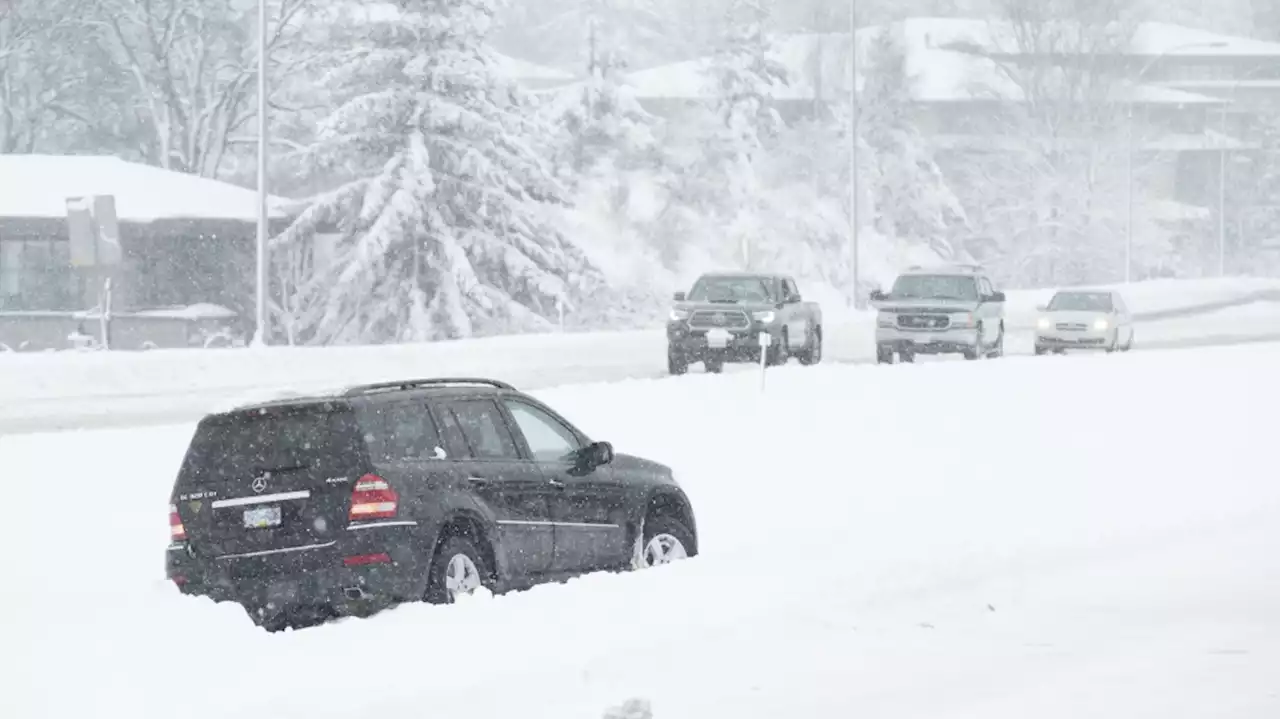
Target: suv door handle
[
  {"x": 556, "y": 483},
  {"x": 477, "y": 481}
]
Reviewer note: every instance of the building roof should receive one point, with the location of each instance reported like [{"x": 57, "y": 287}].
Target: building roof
[
  {"x": 37, "y": 187},
  {"x": 944, "y": 57}
]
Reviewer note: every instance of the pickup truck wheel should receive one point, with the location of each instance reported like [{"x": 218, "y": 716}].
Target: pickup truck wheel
[
  {"x": 777, "y": 354},
  {"x": 978, "y": 351},
  {"x": 812, "y": 353},
  {"x": 676, "y": 363},
  {"x": 884, "y": 354}
]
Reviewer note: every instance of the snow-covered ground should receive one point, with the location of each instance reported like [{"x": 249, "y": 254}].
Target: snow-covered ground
[
  {"x": 70, "y": 389},
  {"x": 1082, "y": 536}
]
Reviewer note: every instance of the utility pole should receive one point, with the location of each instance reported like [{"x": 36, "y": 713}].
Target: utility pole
[
  {"x": 854, "y": 110},
  {"x": 260, "y": 333}
]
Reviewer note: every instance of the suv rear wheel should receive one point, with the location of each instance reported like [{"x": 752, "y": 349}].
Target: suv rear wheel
[{"x": 458, "y": 569}]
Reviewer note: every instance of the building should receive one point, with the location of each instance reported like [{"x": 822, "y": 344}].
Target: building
[
  {"x": 1197, "y": 101},
  {"x": 168, "y": 240}
]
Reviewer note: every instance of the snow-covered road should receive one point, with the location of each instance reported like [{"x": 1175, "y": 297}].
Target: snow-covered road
[
  {"x": 42, "y": 392},
  {"x": 1049, "y": 538}
]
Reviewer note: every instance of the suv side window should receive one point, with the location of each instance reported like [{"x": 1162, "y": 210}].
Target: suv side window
[
  {"x": 1118, "y": 304},
  {"x": 481, "y": 426},
  {"x": 399, "y": 432},
  {"x": 984, "y": 287},
  {"x": 548, "y": 438},
  {"x": 789, "y": 288}
]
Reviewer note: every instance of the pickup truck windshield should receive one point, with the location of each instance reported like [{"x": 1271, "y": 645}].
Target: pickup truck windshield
[
  {"x": 935, "y": 287},
  {"x": 731, "y": 289}
]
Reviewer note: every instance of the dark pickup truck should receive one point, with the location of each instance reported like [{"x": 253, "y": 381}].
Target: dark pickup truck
[{"x": 720, "y": 320}]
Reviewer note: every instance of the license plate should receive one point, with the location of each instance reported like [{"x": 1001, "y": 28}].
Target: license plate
[
  {"x": 261, "y": 517},
  {"x": 718, "y": 338}
]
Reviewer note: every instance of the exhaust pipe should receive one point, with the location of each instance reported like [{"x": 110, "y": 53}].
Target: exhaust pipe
[{"x": 355, "y": 593}]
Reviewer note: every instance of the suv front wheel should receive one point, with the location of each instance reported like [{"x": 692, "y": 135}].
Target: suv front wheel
[{"x": 978, "y": 351}]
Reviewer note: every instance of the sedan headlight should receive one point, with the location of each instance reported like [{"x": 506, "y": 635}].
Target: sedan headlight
[
  {"x": 765, "y": 317},
  {"x": 678, "y": 315},
  {"x": 1043, "y": 323},
  {"x": 1101, "y": 324}
]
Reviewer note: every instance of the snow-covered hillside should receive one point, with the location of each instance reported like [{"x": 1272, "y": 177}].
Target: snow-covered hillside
[{"x": 1094, "y": 536}]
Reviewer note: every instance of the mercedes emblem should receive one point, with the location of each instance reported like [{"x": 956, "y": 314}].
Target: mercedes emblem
[{"x": 260, "y": 482}]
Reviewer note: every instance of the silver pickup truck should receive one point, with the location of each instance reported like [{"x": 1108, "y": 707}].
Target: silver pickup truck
[{"x": 952, "y": 309}]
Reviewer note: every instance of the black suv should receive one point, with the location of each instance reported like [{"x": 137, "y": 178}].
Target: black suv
[{"x": 324, "y": 506}]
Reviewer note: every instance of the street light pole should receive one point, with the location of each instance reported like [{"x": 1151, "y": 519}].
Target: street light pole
[
  {"x": 260, "y": 333},
  {"x": 1128, "y": 199},
  {"x": 854, "y": 110},
  {"x": 1222, "y": 200}
]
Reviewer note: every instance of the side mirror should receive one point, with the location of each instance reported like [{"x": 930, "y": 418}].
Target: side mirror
[
  {"x": 597, "y": 454},
  {"x": 878, "y": 296},
  {"x": 995, "y": 297},
  {"x": 1042, "y": 308},
  {"x": 795, "y": 299},
  {"x": 679, "y": 296}
]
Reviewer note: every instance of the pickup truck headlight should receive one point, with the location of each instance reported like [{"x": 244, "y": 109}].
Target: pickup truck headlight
[
  {"x": 884, "y": 319},
  {"x": 963, "y": 320},
  {"x": 1043, "y": 323},
  {"x": 1101, "y": 324},
  {"x": 678, "y": 315},
  {"x": 766, "y": 317}
]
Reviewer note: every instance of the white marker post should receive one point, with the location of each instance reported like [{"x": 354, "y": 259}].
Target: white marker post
[{"x": 765, "y": 340}]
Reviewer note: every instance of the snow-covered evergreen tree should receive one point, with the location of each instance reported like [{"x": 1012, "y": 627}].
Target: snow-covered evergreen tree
[
  {"x": 911, "y": 197},
  {"x": 447, "y": 230},
  {"x": 746, "y": 75}
]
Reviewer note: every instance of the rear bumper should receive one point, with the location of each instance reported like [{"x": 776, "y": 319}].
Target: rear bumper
[
  {"x": 378, "y": 564},
  {"x": 927, "y": 342}
]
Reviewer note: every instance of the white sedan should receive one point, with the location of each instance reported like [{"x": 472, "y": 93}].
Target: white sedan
[{"x": 1084, "y": 319}]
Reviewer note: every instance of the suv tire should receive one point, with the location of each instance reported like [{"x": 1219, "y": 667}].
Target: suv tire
[
  {"x": 978, "y": 351},
  {"x": 461, "y": 553},
  {"x": 663, "y": 528},
  {"x": 998, "y": 349}
]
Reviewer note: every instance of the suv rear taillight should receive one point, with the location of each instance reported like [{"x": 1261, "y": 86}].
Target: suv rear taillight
[
  {"x": 373, "y": 498},
  {"x": 177, "y": 532}
]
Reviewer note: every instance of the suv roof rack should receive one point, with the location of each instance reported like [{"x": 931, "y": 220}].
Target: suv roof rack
[{"x": 408, "y": 384}]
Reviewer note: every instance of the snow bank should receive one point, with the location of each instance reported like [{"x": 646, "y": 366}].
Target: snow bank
[{"x": 1090, "y": 532}]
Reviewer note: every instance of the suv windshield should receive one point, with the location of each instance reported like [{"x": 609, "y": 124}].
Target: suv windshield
[
  {"x": 1081, "y": 302},
  {"x": 731, "y": 289},
  {"x": 936, "y": 287}
]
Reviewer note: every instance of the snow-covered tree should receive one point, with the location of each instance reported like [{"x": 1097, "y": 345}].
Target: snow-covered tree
[
  {"x": 746, "y": 74},
  {"x": 44, "y": 74},
  {"x": 912, "y": 200},
  {"x": 190, "y": 71},
  {"x": 446, "y": 231}
]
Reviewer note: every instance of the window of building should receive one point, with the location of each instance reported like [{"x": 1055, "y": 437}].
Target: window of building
[{"x": 35, "y": 275}]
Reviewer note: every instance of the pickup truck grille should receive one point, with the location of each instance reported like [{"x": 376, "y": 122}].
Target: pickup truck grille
[
  {"x": 924, "y": 322},
  {"x": 1072, "y": 326},
  {"x": 720, "y": 319}
]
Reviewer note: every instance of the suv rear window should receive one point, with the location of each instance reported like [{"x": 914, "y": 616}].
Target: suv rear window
[{"x": 241, "y": 445}]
